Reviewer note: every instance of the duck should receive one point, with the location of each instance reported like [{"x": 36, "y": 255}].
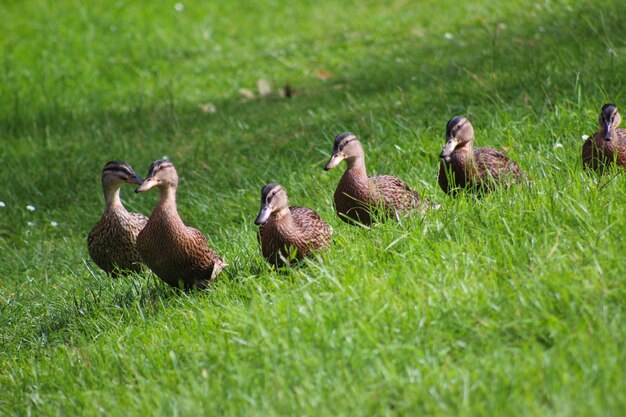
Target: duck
[
  {"x": 288, "y": 233},
  {"x": 112, "y": 243},
  {"x": 176, "y": 253},
  {"x": 608, "y": 145},
  {"x": 477, "y": 169},
  {"x": 358, "y": 196}
]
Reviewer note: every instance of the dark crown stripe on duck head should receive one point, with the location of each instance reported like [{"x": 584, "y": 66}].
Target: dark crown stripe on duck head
[
  {"x": 267, "y": 190},
  {"x": 158, "y": 165},
  {"x": 608, "y": 106},
  {"x": 608, "y": 110},
  {"x": 453, "y": 122},
  {"x": 340, "y": 140},
  {"x": 118, "y": 167}
]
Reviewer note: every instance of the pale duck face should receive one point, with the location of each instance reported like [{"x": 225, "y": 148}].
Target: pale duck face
[{"x": 273, "y": 199}]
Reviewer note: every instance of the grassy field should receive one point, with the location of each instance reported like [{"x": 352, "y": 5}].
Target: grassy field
[{"x": 511, "y": 305}]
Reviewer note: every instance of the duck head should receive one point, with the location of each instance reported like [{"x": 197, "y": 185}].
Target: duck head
[
  {"x": 116, "y": 173},
  {"x": 459, "y": 132},
  {"x": 161, "y": 174},
  {"x": 609, "y": 120},
  {"x": 273, "y": 200},
  {"x": 347, "y": 147}
]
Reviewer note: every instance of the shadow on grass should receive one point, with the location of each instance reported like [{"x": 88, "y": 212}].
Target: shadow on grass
[{"x": 107, "y": 302}]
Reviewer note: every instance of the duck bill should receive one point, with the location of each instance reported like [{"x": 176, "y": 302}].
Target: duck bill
[
  {"x": 449, "y": 147},
  {"x": 334, "y": 161},
  {"x": 146, "y": 185},
  {"x": 135, "y": 180},
  {"x": 607, "y": 131},
  {"x": 264, "y": 214}
]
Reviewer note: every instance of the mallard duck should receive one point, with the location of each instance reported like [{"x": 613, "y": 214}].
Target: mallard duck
[
  {"x": 112, "y": 241},
  {"x": 608, "y": 144},
  {"x": 465, "y": 167},
  {"x": 288, "y": 233},
  {"x": 177, "y": 254},
  {"x": 357, "y": 195}
]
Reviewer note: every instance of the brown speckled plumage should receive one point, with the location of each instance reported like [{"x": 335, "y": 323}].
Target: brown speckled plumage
[
  {"x": 463, "y": 166},
  {"x": 288, "y": 233},
  {"x": 112, "y": 241},
  {"x": 177, "y": 254},
  {"x": 358, "y": 195},
  {"x": 608, "y": 145}
]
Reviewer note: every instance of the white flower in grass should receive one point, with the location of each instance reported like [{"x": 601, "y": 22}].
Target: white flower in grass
[
  {"x": 3, "y": 204},
  {"x": 31, "y": 224},
  {"x": 30, "y": 207},
  {"x": 53, "y": 223},
  {"x": 179, "y": 7},
  {"x": 448, "y": 36}
]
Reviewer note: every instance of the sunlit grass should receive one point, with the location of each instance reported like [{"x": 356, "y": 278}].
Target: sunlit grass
[{"x": 512, "y": 304}]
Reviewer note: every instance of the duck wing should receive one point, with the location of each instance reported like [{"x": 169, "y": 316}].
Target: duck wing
[
  {"x": 494, "y": 163},
  {"x": 202, "y": 249},
  {"x": 394, "y": 193},
  {"x": 317, "y": 232}
]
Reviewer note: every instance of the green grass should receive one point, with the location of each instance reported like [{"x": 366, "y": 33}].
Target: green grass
[{"x": 509, "y": 305}]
